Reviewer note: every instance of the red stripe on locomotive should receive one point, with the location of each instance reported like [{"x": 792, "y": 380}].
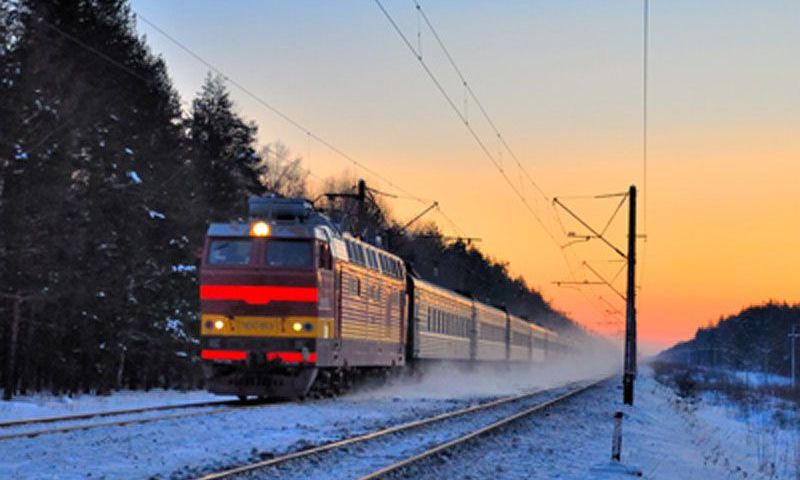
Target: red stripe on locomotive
[
  {"x": 223, "y": 354},
  {"x": 291, "y": 357},
  {"x": 258, "y": 294}
]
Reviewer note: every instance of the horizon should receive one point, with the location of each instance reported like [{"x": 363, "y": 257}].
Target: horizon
[{"x": 345, "y": 74}]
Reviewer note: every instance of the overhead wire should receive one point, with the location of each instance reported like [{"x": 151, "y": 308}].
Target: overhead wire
[
  {"x": 471, "y": 92},
  {"x": 645, "y": 112},
  {"x": 108, "y": 59},
  {"x": 473, "y": 133},
  {"x": 645, "y": 61},
  {"x": 311, "y": 135},
  {"x": 463, "y": 119},
  {"x": 277, "y": 111},
  {"x": 91, "y": 49},
  {"x": 450, "y": 221},
  {"x": 614, "y": 215}
]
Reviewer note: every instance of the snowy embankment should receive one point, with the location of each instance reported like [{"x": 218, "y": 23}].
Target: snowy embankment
[
  {"x": 41, "y": 406},
  {"x": 182, "y": 448},
  {"x": 664, "y": 437}
]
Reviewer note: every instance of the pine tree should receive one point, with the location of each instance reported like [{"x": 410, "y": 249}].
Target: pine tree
[
  {"x": 93, "y": 211},
  {"x": 223, "y": 153}
]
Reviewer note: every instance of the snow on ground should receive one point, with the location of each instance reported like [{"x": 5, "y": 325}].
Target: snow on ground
[
  {"x": 761, "y": 378},
  {"x": 664, "y": 437},
  {"x": 363, "y": 458},
  {"x": 766, "y": 434},
  {"x": 182, "y": 448},
  {"x": 42, "y": 405},
  {"x": 187, "y": 447}
]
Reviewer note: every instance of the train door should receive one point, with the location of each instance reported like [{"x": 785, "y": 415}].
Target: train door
[
  {"x": 326, "y": 280},
  {"x": 412, "y": 322},
  {"x": 402, "y": 305},
  {"x": 338, "y": 287}
]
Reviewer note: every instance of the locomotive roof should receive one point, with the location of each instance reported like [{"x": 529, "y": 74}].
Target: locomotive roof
[
  {"x": 441, "y": 290},
  {"x": 294, "y": 218},
  {"x": 277, "y": 229}
]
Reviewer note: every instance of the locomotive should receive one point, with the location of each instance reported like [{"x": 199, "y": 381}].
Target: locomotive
[{"x": 291, "y": 304}]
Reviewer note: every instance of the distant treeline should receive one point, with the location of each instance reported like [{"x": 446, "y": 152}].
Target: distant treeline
[
  {"x": 755, "y": 339},
  {"x": 106, "y": 188}
]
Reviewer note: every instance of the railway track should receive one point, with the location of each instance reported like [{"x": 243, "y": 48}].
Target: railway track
[
  {"x": 403, "y": 464},
  {"x": 389, "y": 452},
  {"x": 19, "y": 429}
]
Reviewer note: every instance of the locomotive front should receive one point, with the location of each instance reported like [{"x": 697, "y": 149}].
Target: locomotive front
[{"x": 266, "y": 300}]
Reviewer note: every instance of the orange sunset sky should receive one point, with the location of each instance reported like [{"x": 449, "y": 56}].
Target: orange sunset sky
[{"x": 563, "y": 82}]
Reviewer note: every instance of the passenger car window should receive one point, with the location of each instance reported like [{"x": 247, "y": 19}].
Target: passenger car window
[
  {"x": 359, "y": 251},
  {"x": 229, "y": 252},
  {"x": 371, "y": 258},
  {"x": 289, "y": 253},
  {"x": 396, "y": 269}
]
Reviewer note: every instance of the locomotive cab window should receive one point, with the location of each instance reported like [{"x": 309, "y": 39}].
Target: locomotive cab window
[
  {"x": 229, "y": 252},
  {"x": 324, "y": 259},
  {"x": 289, "y": 253}
]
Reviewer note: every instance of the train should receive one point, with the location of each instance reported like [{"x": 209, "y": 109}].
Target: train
[{"x": 291, "y": 305}]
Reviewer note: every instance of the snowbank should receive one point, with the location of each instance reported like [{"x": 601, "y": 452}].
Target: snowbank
[{"x": 43, "y": 405}]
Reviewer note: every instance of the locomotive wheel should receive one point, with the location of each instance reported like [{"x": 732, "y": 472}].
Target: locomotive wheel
[{"x": 338, "y": 383}]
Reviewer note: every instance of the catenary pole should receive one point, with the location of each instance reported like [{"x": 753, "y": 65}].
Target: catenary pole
[{"x": 630, "y": 312}]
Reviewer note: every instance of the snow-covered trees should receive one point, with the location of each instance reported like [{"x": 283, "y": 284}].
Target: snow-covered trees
[{"x": 93, "y": 170}]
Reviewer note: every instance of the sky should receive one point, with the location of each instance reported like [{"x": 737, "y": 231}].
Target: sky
[{"x": 563, "y": 83}]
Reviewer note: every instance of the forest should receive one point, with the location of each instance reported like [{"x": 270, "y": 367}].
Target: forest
[
  {"x": 107, "y": 186},
  {"x": 755, "y": 339}
]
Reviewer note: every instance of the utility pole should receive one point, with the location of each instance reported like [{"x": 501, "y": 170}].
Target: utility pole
[
  {"x": 793, "y": 336},
  {"x": 360, "y": 196},
  {"x": 630, "y": 311}
]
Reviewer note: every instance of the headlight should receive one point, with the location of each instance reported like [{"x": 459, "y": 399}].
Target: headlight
[
  {"x": 259, "y": 229},
  {"x": 219, "y": 324},
  {"x": 297, "y": 326}
]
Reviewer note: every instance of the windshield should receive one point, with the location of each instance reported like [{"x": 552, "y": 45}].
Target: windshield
[
  {"x": 229, "y": 252},
  {"x": 289, "y": 253}
]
